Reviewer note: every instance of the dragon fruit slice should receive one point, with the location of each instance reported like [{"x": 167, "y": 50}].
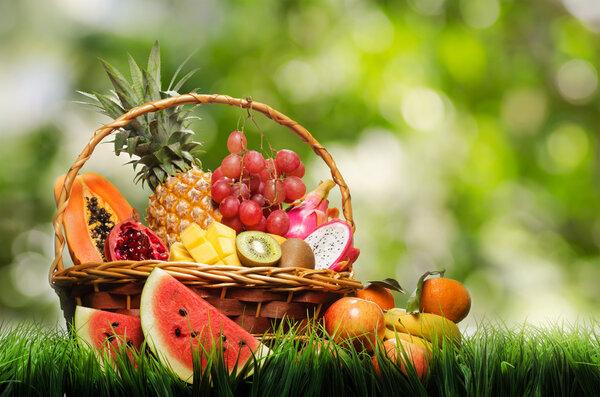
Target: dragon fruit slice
[
  {"x": 310, "y": 213},
  {"x": 332, "y": 245}
]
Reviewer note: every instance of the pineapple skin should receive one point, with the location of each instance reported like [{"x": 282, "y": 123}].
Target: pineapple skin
[{"x": 181, "y": 200}]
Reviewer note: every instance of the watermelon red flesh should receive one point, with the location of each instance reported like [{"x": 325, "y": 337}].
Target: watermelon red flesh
[
  {"x": 177, "y": 322},
  {"x": 107, "y": 331}
]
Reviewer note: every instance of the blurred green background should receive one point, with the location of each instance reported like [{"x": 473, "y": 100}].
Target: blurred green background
[{"x": 466, "y": 130}]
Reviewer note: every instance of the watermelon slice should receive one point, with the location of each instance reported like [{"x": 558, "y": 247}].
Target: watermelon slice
[
  {"x": 107, "y": 332},
  {"x": 177, "y": 322}
]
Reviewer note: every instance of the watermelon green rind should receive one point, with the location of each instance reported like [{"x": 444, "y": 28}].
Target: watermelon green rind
[
  {"x": 92, "y": 327},
  {"x": 177, "y": 321}
]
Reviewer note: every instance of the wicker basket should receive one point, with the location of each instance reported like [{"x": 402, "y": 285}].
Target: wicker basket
[{"x": 257, "y": 298}]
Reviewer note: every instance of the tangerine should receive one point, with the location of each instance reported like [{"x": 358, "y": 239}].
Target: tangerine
[
  {"x": 377, "y": 294},
  {"x": 445, "y": 297}
]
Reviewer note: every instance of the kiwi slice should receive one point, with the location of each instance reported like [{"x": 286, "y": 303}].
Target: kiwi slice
[
  {"x": 296, "y": 252},
  {"x": 256, "y": 248}
]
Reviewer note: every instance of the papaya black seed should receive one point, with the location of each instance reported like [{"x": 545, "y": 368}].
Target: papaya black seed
[
  {"x": 177, "y": 332},
  {"x": 183, "y": 312}
]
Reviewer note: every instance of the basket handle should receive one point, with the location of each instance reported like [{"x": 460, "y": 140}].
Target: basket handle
[{"x": 192, "y": 98}]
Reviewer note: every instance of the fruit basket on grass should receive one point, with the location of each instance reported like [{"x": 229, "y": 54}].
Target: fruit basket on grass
[{"x": 257, "y": 298}]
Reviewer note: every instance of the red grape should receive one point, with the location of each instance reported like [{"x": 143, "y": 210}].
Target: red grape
[
  {"x": 229, "y": 206},
  {"x": 240, "y": 190},
  {"x": 232, "y": 166},
  {"x": 274, "y": 191},
  {"x": 250, "y": 213},
  {"x": 220, "y": 190},
  {"x": 233, "y": 223},
  {"x": 278, "y": 222},
  {"x": 254, "y": 183},
  {"x": 260, "y": 200},
  {"x": 216, "y": 175},
  {"x": 236, "y": 143},
  {"x": 299, "y": 172},
  {"x": 294, "y": 188},
  {"x": 260, "y": 226},
  {"x": 254, "y": 162},
  {"x": 287, "y": 160},
  {"x": 270, "y": 171}
]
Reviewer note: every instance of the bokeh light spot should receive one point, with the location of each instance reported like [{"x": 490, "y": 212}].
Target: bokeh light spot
[
  {"x": 423, "y": 109},
  {"x": 524, "y": 110},
  {"x": 567, "y": 147},
  {"x": 480, "y": 14},
  {"x": 577, "y": 80},
  {"x": 373, "y": 33},
  {"x": 298, "y": 80}
]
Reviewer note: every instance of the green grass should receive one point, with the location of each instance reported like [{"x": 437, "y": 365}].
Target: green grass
[{"x": 558, "y": 360}]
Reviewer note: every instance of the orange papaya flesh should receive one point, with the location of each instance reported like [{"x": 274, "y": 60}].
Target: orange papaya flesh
[{"x": 94, "y": 208}]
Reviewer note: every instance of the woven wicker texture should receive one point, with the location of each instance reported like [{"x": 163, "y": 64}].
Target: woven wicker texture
[{"x": 67, "y": 281}]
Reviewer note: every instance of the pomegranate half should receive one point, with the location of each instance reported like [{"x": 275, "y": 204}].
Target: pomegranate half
[{"x": 131, "y": 240}]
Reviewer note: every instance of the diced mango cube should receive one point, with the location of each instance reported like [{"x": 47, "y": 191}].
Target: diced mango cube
[
  {"x": 178, "y": 253},
  {"x": 232, "y": 260},
  {"x": 219, "y": 229},
  {"x": 205, "y": 253},
  {"x": 192, "y": 236}
]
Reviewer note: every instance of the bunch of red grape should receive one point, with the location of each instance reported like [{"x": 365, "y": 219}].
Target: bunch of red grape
[{"x": 250, "y": 189}]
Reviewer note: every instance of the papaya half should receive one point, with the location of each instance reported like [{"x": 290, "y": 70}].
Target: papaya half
[{"x": 94, "y": 208}]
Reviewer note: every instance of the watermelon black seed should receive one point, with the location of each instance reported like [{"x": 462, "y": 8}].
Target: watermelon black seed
[
  {"x": 110, "y": 337},
  {"x": 130, "y": 343},
  {"x": 177, "y": 332},
  {"x": 242, "y": 343},
  {"x": 223, "y": 338},
  {"x": 194, "y": 334},
  {"x": 115, "y": 324},
  {"x": 183, "y": 312}
]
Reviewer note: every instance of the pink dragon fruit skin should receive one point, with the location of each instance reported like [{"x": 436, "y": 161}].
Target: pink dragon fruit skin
[
  {"x": 311, "y": 213},
  {"x": 332, "y": 244}
]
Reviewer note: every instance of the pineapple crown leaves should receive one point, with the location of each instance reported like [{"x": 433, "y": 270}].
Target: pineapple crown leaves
[{"x": 161, "y": 141}]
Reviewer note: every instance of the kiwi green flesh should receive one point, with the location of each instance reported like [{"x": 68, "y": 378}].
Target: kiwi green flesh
[
  {"x": 296, "y": 252},
  {"x": 257, "y": 249}
]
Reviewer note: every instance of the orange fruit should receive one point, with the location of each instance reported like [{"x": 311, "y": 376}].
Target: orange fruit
[
  {"x": 445, "y": 297},
  {"x": 377, "y": 294}
]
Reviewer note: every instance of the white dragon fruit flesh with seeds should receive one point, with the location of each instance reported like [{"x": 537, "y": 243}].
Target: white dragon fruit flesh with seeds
[{"x": 332, "y": 244}]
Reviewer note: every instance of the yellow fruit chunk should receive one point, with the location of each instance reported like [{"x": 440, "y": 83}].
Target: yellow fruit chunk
[
  {"x": 219, "y": 229},
  {"x": 192, "y": 236},
  {"x": 232, "y": 260},
  {"x": 280, "y": 239},
  {"x": 178, "y": 253},
  {"x": 213, "y": 246},
  {"x": 205, "y": 253}
]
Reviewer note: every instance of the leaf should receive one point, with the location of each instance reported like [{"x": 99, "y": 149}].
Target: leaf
[
  {"x": 137, "y": 80},
  {"x": 121, "y": 85},
  {"x": 154, "y": 64},
  {"x": 120, "y": 140},
  {"x": 174, "y": 78},
  {"x": 131, "y": 144},
  {"x": 152, "y": 91},
  {"x": 184, "y": 79},
  {"x": 413, "y": 303},
  {"x": 389, "y": 283},
  {"x": 111, "y": 108}
]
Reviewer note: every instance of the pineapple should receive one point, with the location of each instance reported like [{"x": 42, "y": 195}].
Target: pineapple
[{"x": 162, "y": 147}]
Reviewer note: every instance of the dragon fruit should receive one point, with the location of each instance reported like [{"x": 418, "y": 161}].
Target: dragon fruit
[
  {"x": 332, "y": 244},
  {"x": 310, "y": 213}
]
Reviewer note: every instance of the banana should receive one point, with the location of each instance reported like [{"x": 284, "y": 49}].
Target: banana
[
  {"x": 429, "y": 326},
  {"x": 390, "y": 317},
  {"x": 391, "y": 334}
]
